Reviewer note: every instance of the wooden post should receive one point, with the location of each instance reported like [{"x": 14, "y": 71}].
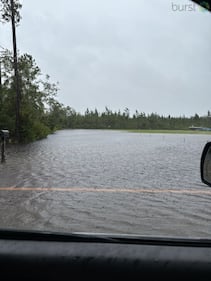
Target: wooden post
[{"x": 2, "y": 150}]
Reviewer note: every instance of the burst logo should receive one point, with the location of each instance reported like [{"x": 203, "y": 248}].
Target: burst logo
[{"x": 192, "y": 7}]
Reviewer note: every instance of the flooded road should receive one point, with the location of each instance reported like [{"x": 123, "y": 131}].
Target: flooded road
[{"x": 107, "y": 181}]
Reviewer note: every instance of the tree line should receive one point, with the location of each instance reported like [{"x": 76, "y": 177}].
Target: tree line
[{"x": 92, "y": 119}]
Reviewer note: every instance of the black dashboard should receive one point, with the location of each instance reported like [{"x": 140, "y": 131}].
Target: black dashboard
[{"x": 46, "y": 256}]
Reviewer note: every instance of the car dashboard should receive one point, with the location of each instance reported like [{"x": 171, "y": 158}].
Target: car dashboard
[{"x": 52, "y": 256}]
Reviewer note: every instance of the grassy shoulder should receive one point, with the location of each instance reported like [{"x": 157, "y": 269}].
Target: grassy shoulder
[{"x": 192, "y": 132}]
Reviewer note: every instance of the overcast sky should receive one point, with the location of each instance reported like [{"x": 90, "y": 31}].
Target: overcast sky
[{"x": 140, "y": 54}]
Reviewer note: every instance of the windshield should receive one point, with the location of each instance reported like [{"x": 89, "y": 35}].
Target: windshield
[{"x": 114, "y": 146}]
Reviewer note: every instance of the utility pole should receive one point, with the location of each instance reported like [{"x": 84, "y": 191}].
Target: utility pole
[
  {"x": 1, "y": 94},
  {"x": 17, "y": 83},
  {"x": 0, "y": 72},
  {"x": 0, "y": 79}
]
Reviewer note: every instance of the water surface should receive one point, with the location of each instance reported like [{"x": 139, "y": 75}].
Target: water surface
[{"x": 101, "y": 160}]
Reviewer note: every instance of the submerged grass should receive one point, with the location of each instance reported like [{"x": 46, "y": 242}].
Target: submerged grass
[{"x": 193, "y": 132}]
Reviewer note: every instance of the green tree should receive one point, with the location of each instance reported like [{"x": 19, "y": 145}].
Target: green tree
[
  {"x": 10, "y": 11},
  {"x": 39, "y": 108}
]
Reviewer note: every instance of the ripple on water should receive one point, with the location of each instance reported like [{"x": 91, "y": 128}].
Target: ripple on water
[{"x": 108, "y": 159}]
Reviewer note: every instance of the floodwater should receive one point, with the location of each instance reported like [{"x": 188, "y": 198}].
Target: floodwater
[{"x": 107, "y": 181}]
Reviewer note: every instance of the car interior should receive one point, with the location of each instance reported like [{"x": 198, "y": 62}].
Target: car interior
[{"x": 34, "y": 255}]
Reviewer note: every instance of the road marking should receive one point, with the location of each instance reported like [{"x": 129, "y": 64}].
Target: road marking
[{"x": 108, "y": 190}]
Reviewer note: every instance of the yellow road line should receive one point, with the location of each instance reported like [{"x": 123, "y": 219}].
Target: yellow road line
[{"x": 108, "y": 190}]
